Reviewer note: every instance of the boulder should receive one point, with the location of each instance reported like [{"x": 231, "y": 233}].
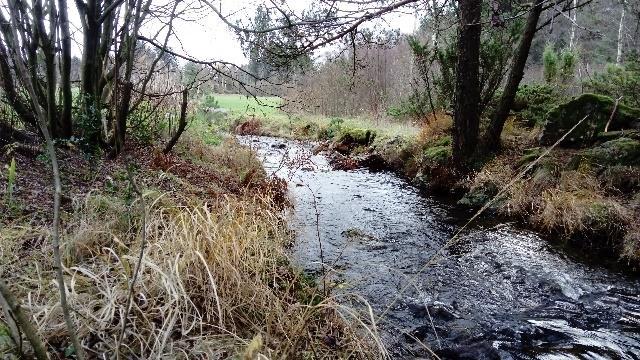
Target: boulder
[
  {"x": 598, "y": 109},
  {"x": 350, "y": 139},
  {"x": 357, "y": 137},
  {"x": 619, "y": 152},
  {"x": 479, "y": 195}
]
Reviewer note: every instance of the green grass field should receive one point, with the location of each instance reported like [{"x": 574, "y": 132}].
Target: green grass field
[
  {"x": 276, "y": 122},
  {"x": 248, "y": 106}
]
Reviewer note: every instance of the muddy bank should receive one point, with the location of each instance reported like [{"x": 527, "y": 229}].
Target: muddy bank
[{"x": 500, "y": 293}]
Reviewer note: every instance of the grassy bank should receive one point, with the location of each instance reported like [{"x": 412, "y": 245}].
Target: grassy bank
[
  {"x": 215, "y": 280},
  {"x": 587, "y": 197}
]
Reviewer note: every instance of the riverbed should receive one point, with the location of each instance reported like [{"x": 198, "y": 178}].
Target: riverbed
[{"x": 500, "y": 293}]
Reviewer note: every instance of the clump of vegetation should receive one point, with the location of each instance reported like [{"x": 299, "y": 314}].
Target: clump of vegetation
[
  {"x": 618, "y": 82},
  {"x": 215, "y": 267},
  {"x": 550, "y": 64},
  {"x": 533, "y": 102}
]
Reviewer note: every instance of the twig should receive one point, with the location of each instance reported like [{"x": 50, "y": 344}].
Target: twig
[
  {"x": 613, "y": 113},
  {"x": 14, "y": 311},
  {"x": 143, "y": 244},
  {"x": 324, "y": 271}
]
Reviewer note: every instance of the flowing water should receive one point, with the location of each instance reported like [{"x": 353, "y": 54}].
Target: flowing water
[{"x": 501, "y": 293}]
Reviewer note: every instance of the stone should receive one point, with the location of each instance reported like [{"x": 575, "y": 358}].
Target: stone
[
  {"x": 598, "y": 109},
  {"x": 621, "y": 151},
  {"x": 479, "y": 195}
]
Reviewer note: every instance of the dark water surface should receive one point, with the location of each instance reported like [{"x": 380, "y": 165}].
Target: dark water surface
[{"x": 501, "y": 293}]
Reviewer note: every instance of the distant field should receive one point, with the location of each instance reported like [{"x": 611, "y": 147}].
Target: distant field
[
  {"x": 276, "y": 122},
  {"x": 247, "y": 105}
]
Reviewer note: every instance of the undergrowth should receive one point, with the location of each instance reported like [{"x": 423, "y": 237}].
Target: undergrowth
[{"x": 215, "y": 280}]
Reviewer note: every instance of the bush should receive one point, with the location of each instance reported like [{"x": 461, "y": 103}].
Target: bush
[
  {"x": 145, "y": 125},
  {"x": 618, "y": 81},
  {"x": 332, "y": 130},
  {"x": 534, "y": 101},
  {"x": 209, "y": 102},
  {"x": 568, "y": 62},
  {"x": 550, "y": 64}
]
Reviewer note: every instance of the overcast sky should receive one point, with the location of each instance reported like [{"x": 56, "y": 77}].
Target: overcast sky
[{"x": 207, "y": 38}]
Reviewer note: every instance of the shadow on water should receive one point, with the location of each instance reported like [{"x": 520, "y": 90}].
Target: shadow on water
[{"x": 501, "y": 293}]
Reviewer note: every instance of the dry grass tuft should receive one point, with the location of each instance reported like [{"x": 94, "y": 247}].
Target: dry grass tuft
[
  {"x": 215, "y": 280},
  {"x": 579, "y": 204},
  {"x": 214, "y": 277},
  {"x": 435, "y": 126}
]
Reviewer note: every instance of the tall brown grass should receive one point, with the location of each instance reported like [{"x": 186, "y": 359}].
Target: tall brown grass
[{"x": 215, "y": 282}]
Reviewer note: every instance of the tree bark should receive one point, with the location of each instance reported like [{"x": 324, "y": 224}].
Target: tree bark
[
  {"x": 65, "y": 71},
  {"x": 467, "y": 92},
  {"x": 182, "y": 124},
  {"x": 492, "y": 136},
  {"x": 620, "y": 32}
]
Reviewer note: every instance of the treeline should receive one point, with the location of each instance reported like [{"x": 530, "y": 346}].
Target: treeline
[{"x": 396, "y": 78}]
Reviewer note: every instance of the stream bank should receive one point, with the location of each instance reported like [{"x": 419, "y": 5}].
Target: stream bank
[
  {"x": 500, "y": 293},
  {"x": 584, "y": 198}
]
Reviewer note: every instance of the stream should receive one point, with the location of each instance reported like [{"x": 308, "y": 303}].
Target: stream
[{"x": 499, "y": 293}]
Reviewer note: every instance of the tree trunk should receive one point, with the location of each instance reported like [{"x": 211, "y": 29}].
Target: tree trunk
[
  {"x": 90, "y": 70},
  {"x": 182, "y": 124},
  {"x": 66, "y": 123},
  {"x": 8, "y": 83},
  {"x": 573, "y": 14},
  {"x": 467, "y": 92},
  {"x": 492, "y": 136},
  {"x": 121, "y": 119},
  {"x": 620, "y": 32}
]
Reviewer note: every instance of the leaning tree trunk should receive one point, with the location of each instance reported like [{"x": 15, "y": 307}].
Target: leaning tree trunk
[
  {"x": 492, "y": 136},
  {"x": 467, "y": 92},
  {"x": 182, "y": 123}
]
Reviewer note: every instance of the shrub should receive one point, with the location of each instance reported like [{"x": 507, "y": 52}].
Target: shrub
[
  {"x": 550, "y": 64},
  {"x": 209, "y": 102},
  {"x": 146, "y": 123},
  {"x": 568, "y": 61},
  {"x": 618, "y": 81},
  {"x": 332, "y": 130},
  {"x": 533, "y": 102}
]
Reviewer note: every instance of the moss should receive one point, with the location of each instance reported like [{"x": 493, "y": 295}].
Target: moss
[
  {"x": 356, "y": 136},
  {"x": 480, "y": 195},
  {"x": 623, "y": 179},
  {"x": 438, "y": 154},
  {"x": 597, "y": 109},
  {"x": 443, "y": 141},
  {"x": 605, "y": 217},
  {"x": 622, "y": 151}
]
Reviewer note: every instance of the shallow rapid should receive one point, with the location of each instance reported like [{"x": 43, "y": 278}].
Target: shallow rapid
[{"x": 500, "y": 293}]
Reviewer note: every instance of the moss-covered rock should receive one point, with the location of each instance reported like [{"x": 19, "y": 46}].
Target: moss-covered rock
[
  {"x": 597, "y": 109},
  {"x": 618, "y": 152},
  {"x": 352, "y": 138},
  {"x": 612, "y": 135},
  {"x": 356, "y": 136},
  {"x": 437, "y": 151},
  {"x": 479, "y": 195}
]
